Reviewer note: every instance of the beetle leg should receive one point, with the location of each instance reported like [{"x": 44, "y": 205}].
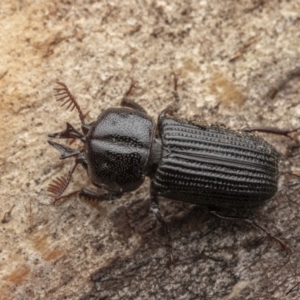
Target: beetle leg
[
  {"x": 91, "y": 195},
  {"x": 154, "y": 207},
  {"x": 107, "y": 196},
  {"x": 172, "y": 108},
  {"x": 281, "y": 83},
  {"x": 254, "y": 224},
  {"x": 272, "y": 130},
  {"x": 131, "y": 103}
]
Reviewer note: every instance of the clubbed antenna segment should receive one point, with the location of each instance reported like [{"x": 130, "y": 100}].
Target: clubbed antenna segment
[
  {"x": 57, "y": 187},
  {"x": 63, "y": 94}
]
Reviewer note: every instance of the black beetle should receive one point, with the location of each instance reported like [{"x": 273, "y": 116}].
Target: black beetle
[{"x": 186, "y": 161}]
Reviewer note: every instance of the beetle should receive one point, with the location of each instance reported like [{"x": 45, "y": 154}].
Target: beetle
[{"x": 209, "y": 165}]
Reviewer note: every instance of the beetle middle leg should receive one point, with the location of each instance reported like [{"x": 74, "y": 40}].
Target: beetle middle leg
[
  {"x": 154, "y": 207},
  {"x": 253, "y": 224}
]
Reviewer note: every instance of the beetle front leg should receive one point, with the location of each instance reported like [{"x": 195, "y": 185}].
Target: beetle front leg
[
  {"x": 129, "y": 102},
  {"x": 91, "y": 195},
  {"x": 154, "y": 207},
  {"x": 172, "y": 108},
  {"x": 254, "y": 224}
]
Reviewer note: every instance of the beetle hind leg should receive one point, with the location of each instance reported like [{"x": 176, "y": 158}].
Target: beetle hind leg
[
  {"x": 271, "y": 130},
  {"x": 253, "y": 224}
]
